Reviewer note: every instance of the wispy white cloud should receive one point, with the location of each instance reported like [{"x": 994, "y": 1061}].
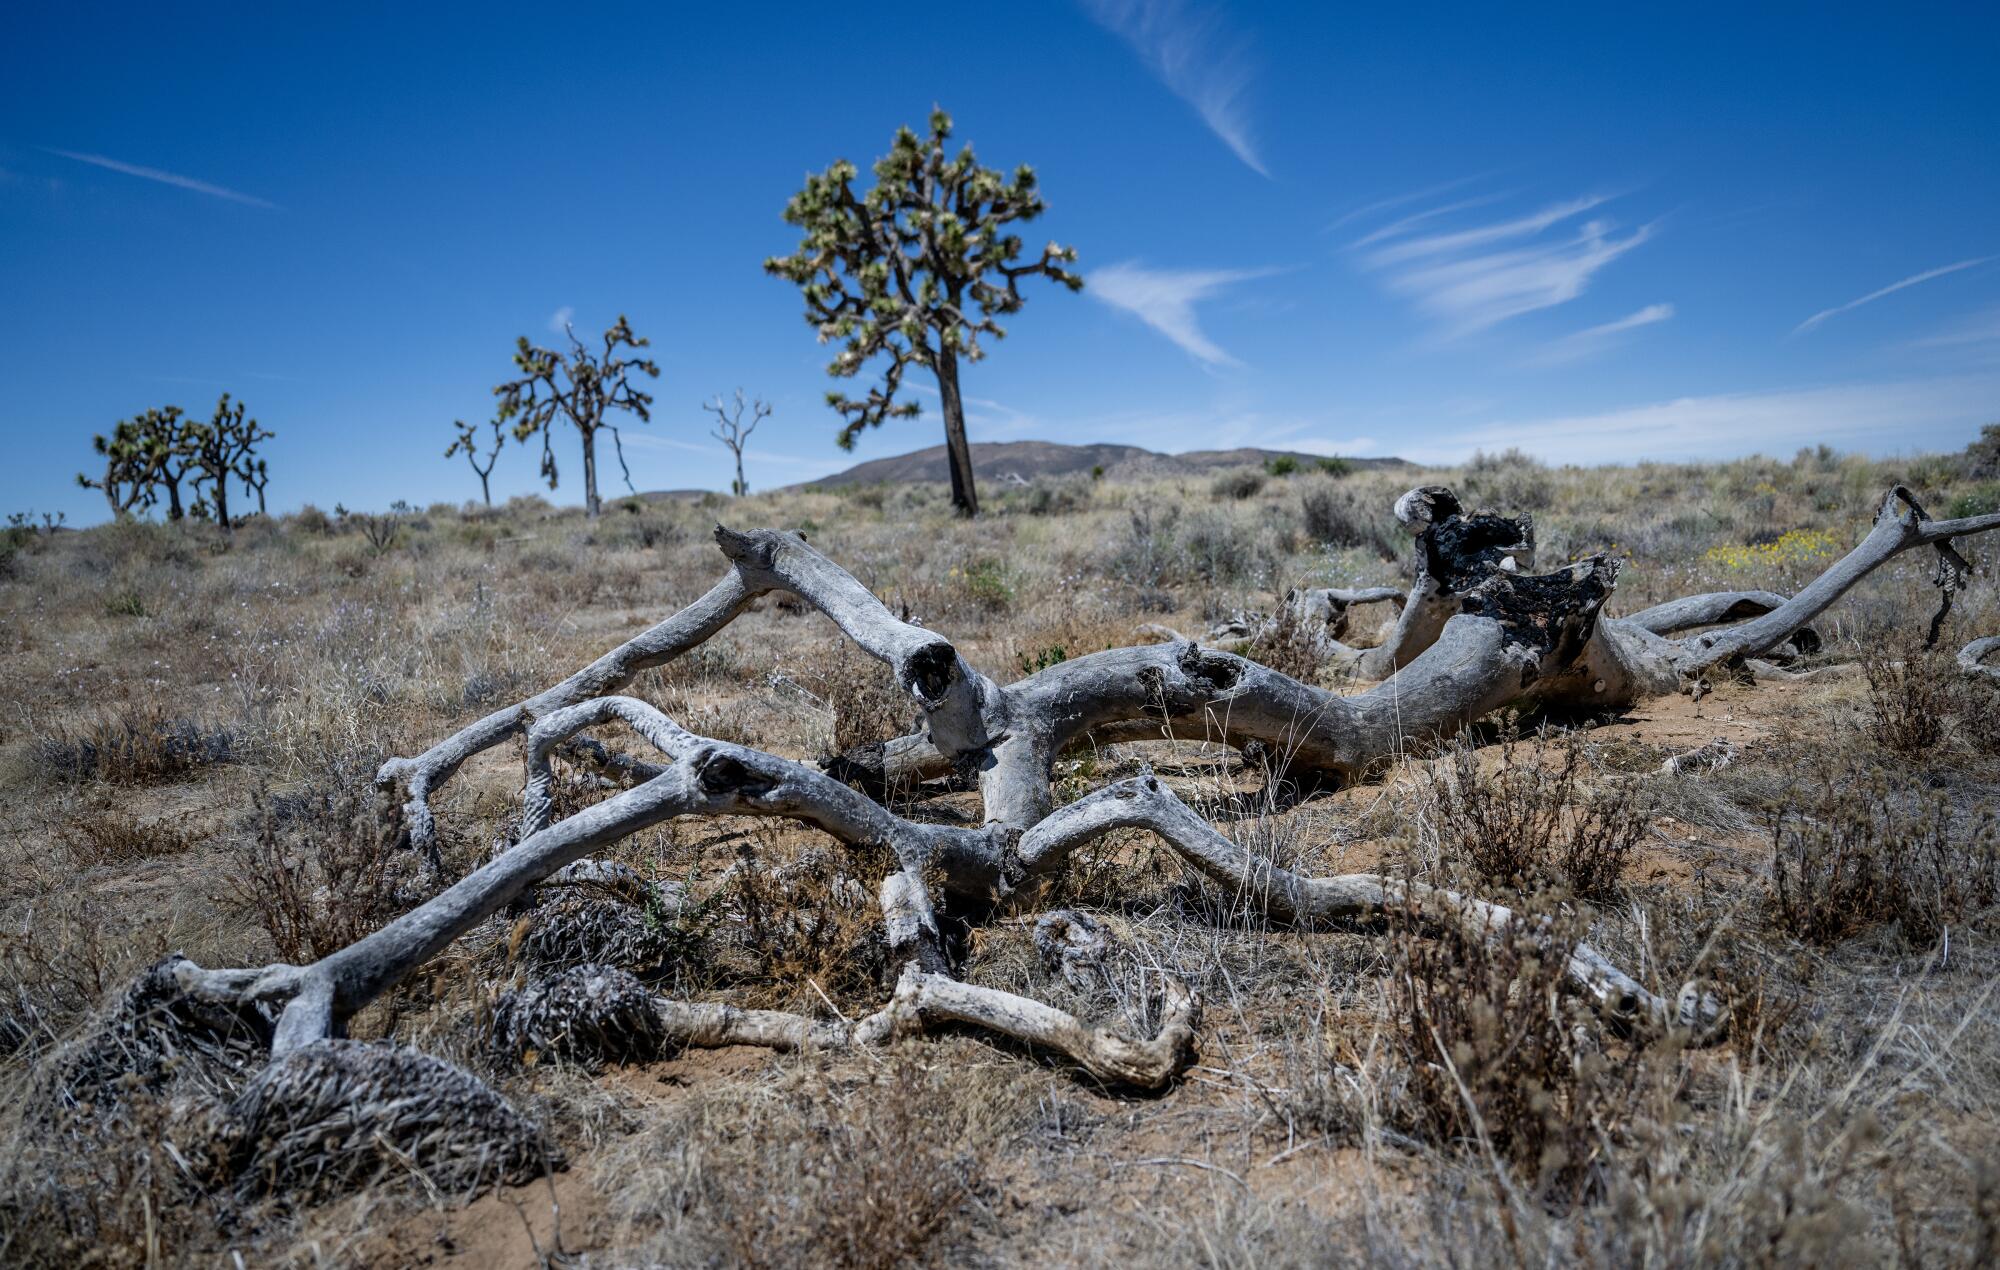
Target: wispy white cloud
[
  {"x": 165, "y": 178},
  {"x": 1877, "y": 418},
  {"x": 985, "y": 418},
  {"x": 635, "y": 440},
  {"x": 1471, "y": 279},
  {"x": 560, "y": 320},
  {"x": 1398, "y": 200},
  {"x": 1891, "y": 289},
  {"x": 1405, "y": 224},
  {"x": 1193, "y": 53},
  {"x": 1165, "y": 300},
  {"x": 1979, "y": 330},
  {"x": 1329, "y": 446},
  {"x": 1581, "y": 344}
]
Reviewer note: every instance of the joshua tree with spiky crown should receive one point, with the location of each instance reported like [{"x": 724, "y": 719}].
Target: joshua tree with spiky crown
[
  {"x": 733, "y": 432},
  {"x": 128, "y": 468},
  {"x": 581, "y": 388},
  {"x": 917, "y": 269},
  {"x": 170, "y": 449},
  {"x": 468, "y": 444},
  {"x": 223, "y": 447}
]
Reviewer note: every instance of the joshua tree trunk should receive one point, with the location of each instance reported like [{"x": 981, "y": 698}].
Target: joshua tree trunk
[
  {"x": 964, "y": 497},
  {"x": 742, "y": 486},
  {"x": 1511, "y": 639},
  {"x": 590, "y": 503}
]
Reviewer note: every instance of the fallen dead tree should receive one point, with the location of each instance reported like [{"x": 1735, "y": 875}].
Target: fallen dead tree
[{"x": 1477, "y": 633}]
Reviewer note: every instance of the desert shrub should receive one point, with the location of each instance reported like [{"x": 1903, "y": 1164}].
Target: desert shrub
[
  {"x": 1057, "y": 498},
  {"x": 126, "y": 603},
  {"x": 810, "y": 927},
  {"x": 111, "y": 835},
  {"x": 140, "y": 744},
  {"x": 859, "y": 694},
  {"x": 119, "y": 1196},
  {"x": 1289, "y": 645},
  {"x": 1338, "y": 520},
  {"x": 1237, "y": 485},
  {"x": 1282, "y": 466},
  {"x": 1532, "y": 821},
  {"x": 1864, "y": 847},
  {"x": 1981, "y": 500},
  {"x": 1143, "y": 554},
  {"x": 1916, "y": 694},
  {"x": 1981, "y": 460},
  {"x": 309, "y": 519},
  {"x": 321, "y": 868},
  {"x": 1494, "y": 1049},
  {"x": 1333, "y": 466},
  {"x": 986, "y": 583},
  {"x": 817, "y": 1172},
  {"x": 1509, "y": 481},
  {"x": 1213, "y": 548}
]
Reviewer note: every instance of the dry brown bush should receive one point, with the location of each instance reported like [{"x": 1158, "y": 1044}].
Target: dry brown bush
[
  {"x": 1531, "y": 819},
  {"x": 1916, "y": 693},
  {"x": 112, "y": 835},
  {"x": 321, "y": 868},
  {"x": 1867, "y": 846},
  {"x": 811, "y": 932},
  {"x": 1499, "y": 1058},
  {"x": 876, "y": 1174},
  {"x": 136, "y": 745}
]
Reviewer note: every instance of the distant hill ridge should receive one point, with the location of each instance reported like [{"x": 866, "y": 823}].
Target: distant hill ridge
[{"x": 1001, "y": 460}]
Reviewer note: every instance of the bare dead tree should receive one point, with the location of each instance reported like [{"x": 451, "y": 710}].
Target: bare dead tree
[
  {"x": 1514, "y": 639},
  {"x": 582, "y": 389},
  {"x": 733, "y": 432},
  {"x": 467, "y": 443}
]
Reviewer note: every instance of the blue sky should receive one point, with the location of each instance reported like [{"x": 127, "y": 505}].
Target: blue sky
[{"x": 1597, "y": 234}]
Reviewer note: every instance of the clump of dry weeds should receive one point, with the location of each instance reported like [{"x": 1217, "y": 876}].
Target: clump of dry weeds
[{"x": 1526, "y": 818}]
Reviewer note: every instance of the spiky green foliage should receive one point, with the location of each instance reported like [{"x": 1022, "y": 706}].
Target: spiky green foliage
[
  {"x": 579, "y": 388},
  {"x": 225, "y": 447},
  {"x": 127, "y": 481},
  {"x": 145, "y": 456},
  {"x": 918, "y": 270},
  {"x": 468, "y": 445}
]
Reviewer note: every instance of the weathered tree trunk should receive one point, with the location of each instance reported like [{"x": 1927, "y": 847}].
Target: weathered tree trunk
[
  {"x": 591, "y": 508},
  {"x": 964, "y": 495}
]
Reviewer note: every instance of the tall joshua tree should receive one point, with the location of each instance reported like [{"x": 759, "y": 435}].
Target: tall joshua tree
[
  {"x": 223, "y": 447},
  {"x": 468, "y": 444},
  {"x": 128, "y": 468},
  {"x": 733, "y": 432},
  {"x": 581, "y": 389},
  {"x": 917, "y": 270}
]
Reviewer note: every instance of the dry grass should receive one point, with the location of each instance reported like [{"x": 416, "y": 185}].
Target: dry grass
[{"x": 162, "y": 690}]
